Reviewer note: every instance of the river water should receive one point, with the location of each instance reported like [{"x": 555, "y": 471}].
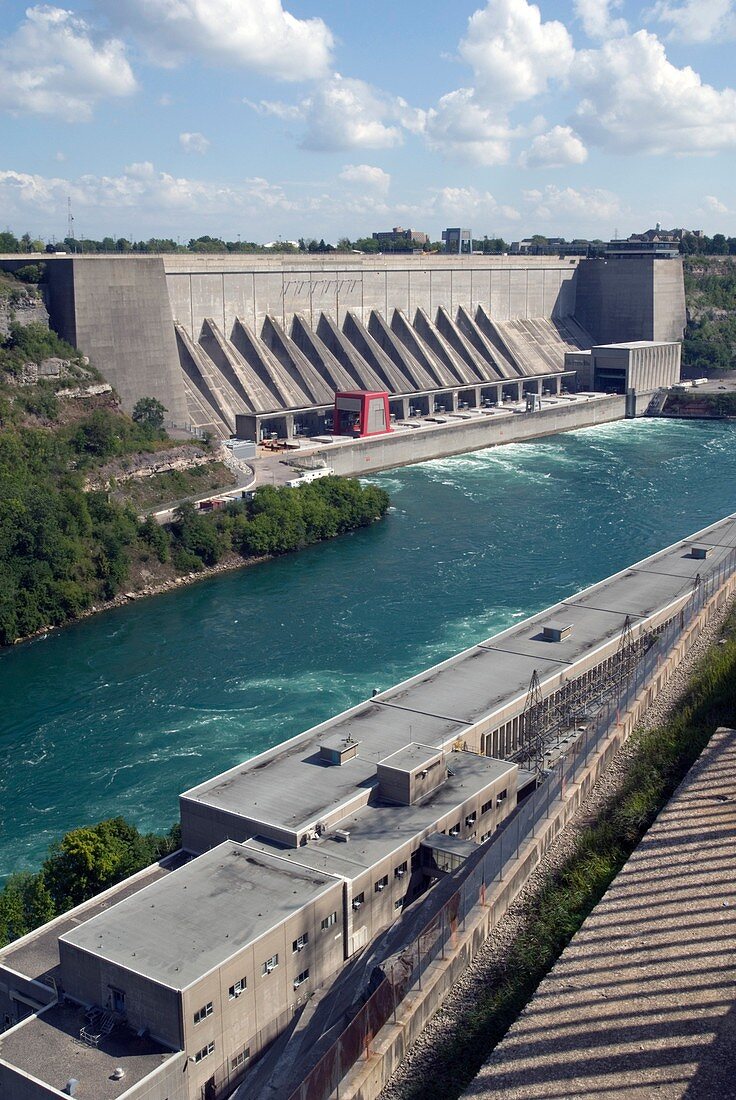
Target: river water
[{"x": 119, "y": 713}]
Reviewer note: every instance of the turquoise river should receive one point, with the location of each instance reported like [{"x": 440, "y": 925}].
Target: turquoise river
[{"x": 121, "y": 712}]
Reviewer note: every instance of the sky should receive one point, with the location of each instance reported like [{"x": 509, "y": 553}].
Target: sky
[{"x": 270, "y": 119}]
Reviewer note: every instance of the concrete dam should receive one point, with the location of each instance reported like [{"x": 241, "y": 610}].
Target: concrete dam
[{"x": 272, "y": 339}]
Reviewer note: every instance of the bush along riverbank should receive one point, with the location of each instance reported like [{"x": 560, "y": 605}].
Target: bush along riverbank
[
  {"x": 65, "y": 554},
  {"x": 656, "y": 762},
  {"x": 83, "y": 863}
]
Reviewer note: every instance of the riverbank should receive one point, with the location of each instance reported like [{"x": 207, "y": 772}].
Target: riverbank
[
  {"x": 228, "y": 565},
  {"x": 575, "y": 872},
  {"x": 196, "y": 545}
]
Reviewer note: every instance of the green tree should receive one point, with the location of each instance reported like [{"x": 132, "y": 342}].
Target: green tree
[
  {"x": 149, "y": 411},
  {"x": 90, "y": 859}
]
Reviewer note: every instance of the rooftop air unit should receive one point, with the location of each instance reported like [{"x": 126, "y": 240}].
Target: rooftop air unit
[{"x": 554, "y": 633}]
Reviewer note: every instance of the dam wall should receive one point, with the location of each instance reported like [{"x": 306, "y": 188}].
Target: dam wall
[
  {"x": 252, "y": 288},
  {"x": 214, "y": 336},
  {"x": 631, "y": 298}
]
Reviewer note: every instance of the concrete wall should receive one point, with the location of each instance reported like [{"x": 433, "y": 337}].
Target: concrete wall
[
  {"x": 226, "y": 287},
  {"x": 256, "y": 1017},
  {"x": 367, "y": 456},
  {"x": 631, "y": 298},
  {"x": 123, "y": 323},
  {"x": 148, "y": 1004}
]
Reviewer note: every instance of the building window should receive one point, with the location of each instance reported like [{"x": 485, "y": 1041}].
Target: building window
[
  {"x": 235, "y": 990},
  {"x": 484, "y": 837},
  {"x": 240, "y": 1059},
  {"x": 300, "y": 942},
  {"x": 455, "y": 830},
  {"x": 204, "y": 1052},
  {"x": 401, "y": 870},
  {"x": 328, "y": 922},
  {"x": 358, "y": 900},
  {"x": 470, "y": 820},
  {"x": 381, "y": 884},
  {"x": 501, "y": 797},
  {"x": 270, "y": 964},
  {"x": 486, "y": 807},
  {"x": 203, "y": 1012},
  {"x": 301, "y": 978},
  {"x": 398, "y": 904}
]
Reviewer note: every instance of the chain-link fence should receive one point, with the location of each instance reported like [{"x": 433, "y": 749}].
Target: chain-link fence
[{"x": 440, "y": 932}]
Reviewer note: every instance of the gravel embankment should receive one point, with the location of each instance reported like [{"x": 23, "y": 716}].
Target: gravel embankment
[{"x": 489, "y": 965}]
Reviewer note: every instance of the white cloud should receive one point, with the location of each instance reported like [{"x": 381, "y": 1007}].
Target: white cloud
[
  {"x": 559, "y": 147},
  {"x": 367, "y": 175},
  {"x": 697, "y": 20},
  {"x": 636, "y": 101},
  {"x": 460, "y": 126},
  {"x": 597, "y": 19},
  {"x": 513, "y": 53},
  {"x": 586, "y": 207},
  {"x": 194, "y": 143},
  {"x": 53, "y": 65},
  {"x": 461, "y": 204},
  {"x": 345, "y": 113},
  {"x": 714, "y": 205},
  {"x": 256, "y": 34}
]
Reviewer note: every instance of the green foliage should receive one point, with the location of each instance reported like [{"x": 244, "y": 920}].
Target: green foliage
[
  {"x": 710, "y": 337},
  {"x": 149, "y": 412},
  {"x": 83, "y": 863},
  {"x": 60, "y": 549},
  {"x": 31, "y": 273},
  {"x": 276, "y": 521}
]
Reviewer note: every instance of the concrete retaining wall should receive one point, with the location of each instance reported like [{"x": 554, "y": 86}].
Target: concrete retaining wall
[
  {"x": 368, "y": 1077},
  {"x": 367, "y": 456}
]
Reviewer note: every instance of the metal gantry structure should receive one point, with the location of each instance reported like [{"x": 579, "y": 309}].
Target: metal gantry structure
[{"x": 545, "y": 721}]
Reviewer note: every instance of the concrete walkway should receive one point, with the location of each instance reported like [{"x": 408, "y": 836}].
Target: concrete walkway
[{"x": 642, "y": 1003}]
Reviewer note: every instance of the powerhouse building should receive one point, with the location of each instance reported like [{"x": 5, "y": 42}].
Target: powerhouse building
[{"x": 170, "y": 985}]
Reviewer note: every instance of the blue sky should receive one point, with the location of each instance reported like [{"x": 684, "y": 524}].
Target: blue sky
[{"x": 288, "y": 118}]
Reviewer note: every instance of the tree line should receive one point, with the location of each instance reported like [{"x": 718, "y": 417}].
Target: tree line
[{"x": 83, "y": 863}]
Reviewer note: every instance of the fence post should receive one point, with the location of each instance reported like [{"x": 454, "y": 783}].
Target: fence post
[
  {"x": 393, "y": 991},
  {"x": 442, "y": 934},
  {"x": 419, "y": 961}
]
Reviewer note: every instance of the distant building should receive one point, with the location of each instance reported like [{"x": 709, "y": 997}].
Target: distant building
[
  {"x": 458, "y": 241},
  {"x": 399, "y": 235}
]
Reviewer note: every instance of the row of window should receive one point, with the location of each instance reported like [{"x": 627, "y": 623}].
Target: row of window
[{"x": 235, "y": 1063}]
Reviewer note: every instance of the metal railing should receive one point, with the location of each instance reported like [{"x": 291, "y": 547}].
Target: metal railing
[{"x": 440, "y": 932}]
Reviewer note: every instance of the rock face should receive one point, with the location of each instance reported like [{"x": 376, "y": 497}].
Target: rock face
[
  {"x": 26, "y": 309},
  {"x": 135, "y": 467}
]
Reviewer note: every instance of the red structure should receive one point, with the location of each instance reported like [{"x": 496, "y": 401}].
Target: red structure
[{"x": 361, "y": 413}]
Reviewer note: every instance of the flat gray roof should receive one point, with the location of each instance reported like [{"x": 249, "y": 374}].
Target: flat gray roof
[
  {"x": 438, "y": 706},
  {"x": 410, "y": 757},
  {"x": 378, "y": 830},
  {"x": 48, "y": 1048},
  {"x": 218, "y": 903}
]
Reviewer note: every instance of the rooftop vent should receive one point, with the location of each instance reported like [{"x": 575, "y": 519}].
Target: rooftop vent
[
  {"x": 118, "y": 1073},
  {"x": 553, "y": 633},
  {"x": 342, "y": 834},
  {"x": 700, "y": 552},
  {"x": 70, "y": 1088},
  {"x": 338, "y": 750}
]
